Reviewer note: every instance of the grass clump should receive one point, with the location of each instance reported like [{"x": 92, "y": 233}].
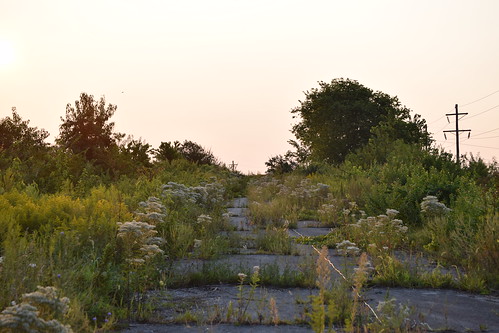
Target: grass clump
[{"x": 274, "y": 240}]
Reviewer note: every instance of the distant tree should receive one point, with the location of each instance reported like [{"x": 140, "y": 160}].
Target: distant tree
[
  {"x": 135, "y": 153},
  {"x": 338, "y": 117},
  {"x": 86, "y": 130},
  {"x": 24, "y": 154},
  {"x": 19, "y": 140},
  {"x": 195, "y": 153},
  {"x": 280, "y": 164},
  {"x": 167, "y": 151}
]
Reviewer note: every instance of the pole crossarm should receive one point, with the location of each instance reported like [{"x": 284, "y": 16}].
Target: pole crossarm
[{"x": 454, "y": 131}]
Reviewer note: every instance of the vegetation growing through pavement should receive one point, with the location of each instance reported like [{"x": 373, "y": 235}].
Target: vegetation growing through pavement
[{"x": 100, "y": 224}]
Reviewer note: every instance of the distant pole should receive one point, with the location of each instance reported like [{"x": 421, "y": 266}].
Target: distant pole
[
  {"x": 233, "y": 166},
  {"x": 457, "y": 130}
]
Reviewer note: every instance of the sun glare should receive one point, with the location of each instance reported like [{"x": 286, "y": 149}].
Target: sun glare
[{"x": 6, "y": 53}]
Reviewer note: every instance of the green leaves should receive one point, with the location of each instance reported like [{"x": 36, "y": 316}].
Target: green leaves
[{"x": 338, "y": 118}]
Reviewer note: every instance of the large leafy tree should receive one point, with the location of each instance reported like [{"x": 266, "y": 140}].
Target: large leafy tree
[
  {"x": 87, "y": 130},
  {"x": 339, "y": 117}
]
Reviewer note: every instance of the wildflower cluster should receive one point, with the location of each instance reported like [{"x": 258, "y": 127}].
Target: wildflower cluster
[
  {"x": 204, "y": 225},
  {"x": 265, "y": 188},
  {"x": 395, "y": 318},
  {"x": 347, "y": 248},
  {"x": 207, "y": 195},
  {"x": 431, "y": 207},
  {"x": 140, "y": 241},
  {"x": 40, "y": 311},
  {"x": 47, "y": 301},
  {"x": 273, "y": 201},
  {"x": 336, "y": 211},
  {"x": 304, "y": 193},
  {"x": 311, "y": 194},
  {"x": 204, "y": 219},
  {"x": 388, "y": 308},
  {"x": 154, "y": 211},
  {"x": 381, "y": 233}
]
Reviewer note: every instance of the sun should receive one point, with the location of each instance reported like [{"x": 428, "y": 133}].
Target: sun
[{"x": 6, "y": 53}]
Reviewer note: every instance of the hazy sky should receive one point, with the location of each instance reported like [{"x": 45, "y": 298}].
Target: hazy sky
[{"x": 226, "y": 74}]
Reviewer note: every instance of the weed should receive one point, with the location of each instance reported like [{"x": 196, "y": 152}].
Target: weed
[
  {"x": 436, "y": 279},
  {"x": 274, "y": 240},
  {"x": 245, "y": 300},
  {"x": 389, "y": 271},
  {"x": 274, "y": 312},
  {"x": 318, "y": 313}
]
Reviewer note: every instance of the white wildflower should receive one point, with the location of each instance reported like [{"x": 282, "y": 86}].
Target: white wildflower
[
  {"x": 47, "y": 297},
  {"x": 382, "y": 217},
  {"x": 392, "y": 212},
  {"x": 135, "y": 228},
  {"x": 431, "y": 207},
  {"x": 347, "y": 248},
  {"x": 136, "y": 261},
  {"x": 204, "y": 219}
]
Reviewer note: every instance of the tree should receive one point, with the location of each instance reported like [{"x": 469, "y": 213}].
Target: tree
[
  {"x": 19, "y": 140},
  {"x": 86, "y": 130},
  {"x": 339, "y": 117},
  {"x": 24, "y": 152},
  {"x": 195, "y": 153},
  {"x": 134, "y": 155},
  {"x": 167, "y": 151},
  {"x": 281, "y": 164}
]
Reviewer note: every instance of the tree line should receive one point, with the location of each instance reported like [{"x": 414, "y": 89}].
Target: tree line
[
  {"x": 345, "y": 121},
  {"x": 87, "y": 144}
]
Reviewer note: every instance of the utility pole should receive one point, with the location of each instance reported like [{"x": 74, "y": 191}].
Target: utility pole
[
  {"x": 457, "y": 131},
  {"x": 233, "y": 166}
]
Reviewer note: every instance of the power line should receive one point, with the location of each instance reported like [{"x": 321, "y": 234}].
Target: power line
[
  {"x": 492, "y": 108},
  {"x": 495, "y": 129},
  {"x": 444, "y": 126},
  {"x": 487, "y": 137},
  {"x": 467, "y": 144},
  {"x": 463, "y": 105},
  {"x": 478, "y": 100},
  {"x": 434, "y": 121}
]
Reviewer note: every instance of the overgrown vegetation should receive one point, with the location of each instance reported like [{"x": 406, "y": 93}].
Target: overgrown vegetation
[
  {"x": 95, "y": 217},
  {"x": 99, "y": 219}
]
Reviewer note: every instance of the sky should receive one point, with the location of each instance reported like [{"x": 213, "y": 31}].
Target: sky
[{"x": 226, "y": 73}]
